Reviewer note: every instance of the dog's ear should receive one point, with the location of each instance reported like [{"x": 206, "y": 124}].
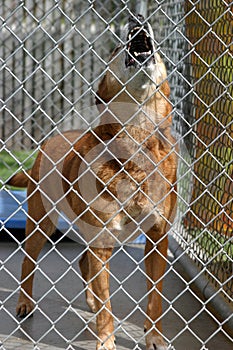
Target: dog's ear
[
  {"x": 102, "y": 94},
  {"x": 165, "y": 88},
  {"x": 106, "y": 90}
]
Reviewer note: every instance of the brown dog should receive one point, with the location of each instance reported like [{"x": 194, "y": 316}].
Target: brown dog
[{"x": 112, "y": 182}]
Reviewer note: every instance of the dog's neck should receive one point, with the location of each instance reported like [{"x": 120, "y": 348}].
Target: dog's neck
[
  {"x": 130, "y": 95},
  {"x": 146, "y": 107}
]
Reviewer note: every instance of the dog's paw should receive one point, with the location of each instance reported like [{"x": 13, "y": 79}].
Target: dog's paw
[
  {"x": 155, "y": 342},
  {"x": 24, "y": 308},
  {"x": 108, "y": 344}
]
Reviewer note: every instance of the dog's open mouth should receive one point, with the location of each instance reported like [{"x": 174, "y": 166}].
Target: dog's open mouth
[{"x": 139, "y": 48}]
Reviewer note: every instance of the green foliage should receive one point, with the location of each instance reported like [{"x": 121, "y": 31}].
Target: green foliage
[{"x": 14, "y": 161}]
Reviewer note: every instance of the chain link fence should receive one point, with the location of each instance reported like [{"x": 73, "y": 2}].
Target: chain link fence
[{"x": 53, "y": 56}]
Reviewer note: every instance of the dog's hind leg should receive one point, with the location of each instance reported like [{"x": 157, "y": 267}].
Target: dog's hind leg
[
  {"x": 98, "y": 259},
  {"x": 155, "y": 262},
  {"x": 40, "y": 225}
]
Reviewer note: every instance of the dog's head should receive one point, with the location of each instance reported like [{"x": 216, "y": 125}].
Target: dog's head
[
  {"x": 135, "y": 64},
  {"x": 138, "y": 39}
]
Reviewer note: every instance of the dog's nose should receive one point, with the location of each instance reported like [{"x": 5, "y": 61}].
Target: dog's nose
[
  {"x": 140, "y": 17},
  {"x": 136, "y": 20}
]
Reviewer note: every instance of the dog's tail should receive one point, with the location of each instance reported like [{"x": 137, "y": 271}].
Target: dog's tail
[{"x": 20, "y": 180}]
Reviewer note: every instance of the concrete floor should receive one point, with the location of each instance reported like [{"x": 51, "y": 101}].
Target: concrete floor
[{"x": 63, "y": 321}]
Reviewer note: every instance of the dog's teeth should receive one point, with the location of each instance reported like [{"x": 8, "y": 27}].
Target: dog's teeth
[
  {"x": 146, "y": 33},
  {"x": 136, "y": 54},
  {"x": 130, "y": 36}
]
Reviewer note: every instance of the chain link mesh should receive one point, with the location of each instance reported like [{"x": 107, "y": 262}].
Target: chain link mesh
[{"x": 53, "y": 55}]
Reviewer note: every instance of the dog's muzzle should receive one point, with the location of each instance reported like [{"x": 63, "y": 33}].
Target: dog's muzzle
[{"x": 139, "y": 45}]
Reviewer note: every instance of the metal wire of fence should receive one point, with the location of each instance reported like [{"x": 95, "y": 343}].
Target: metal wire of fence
[
  {"x": 53, "y": 55},
  {"x": 209, "y": 219}
]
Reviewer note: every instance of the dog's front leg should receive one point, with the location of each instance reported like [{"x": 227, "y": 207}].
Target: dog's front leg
[
  {"x": 155, "y": 268},
  {"x": 98, "y": 259},
  {"x": 85, "y": 270}
]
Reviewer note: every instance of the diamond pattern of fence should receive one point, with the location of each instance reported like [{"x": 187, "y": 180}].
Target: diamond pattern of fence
[{"x": 53, "y": 56}]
